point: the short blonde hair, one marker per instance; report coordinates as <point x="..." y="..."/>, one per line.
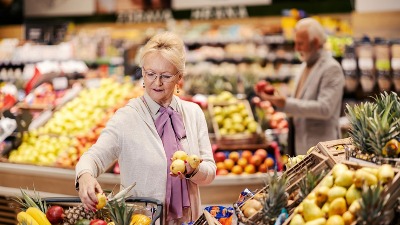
<point x="314" y="29"/>
<point x="170" y="46"/>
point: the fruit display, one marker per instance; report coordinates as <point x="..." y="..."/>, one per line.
<point x="232" y="117"/>
<point x="111" y="210"/>
<point x="244" y="162"/>
<point x="73" y="128"/>
<point x="347" y="194"/>
<point x="375" y="129"/>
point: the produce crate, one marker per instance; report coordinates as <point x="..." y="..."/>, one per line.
<point x="334" y="149"/>
<point x="314" y="162"/>
<point x="144" y="205"/>
<point x="237" y="138"/>
<point x="393" y="190"/>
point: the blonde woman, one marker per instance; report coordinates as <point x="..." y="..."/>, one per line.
<point x="144" y="134"/>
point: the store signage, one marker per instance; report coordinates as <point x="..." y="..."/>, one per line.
<point x="191" y="4"/>
<point x="54" y="8"/>
<point x="219" y="13"/>
<point x="138" y="16"/>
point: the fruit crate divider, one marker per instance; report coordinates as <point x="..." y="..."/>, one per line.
<point x="390" y="189"/>
<point x="333" y="155"/>
<point x="314" y="162"/>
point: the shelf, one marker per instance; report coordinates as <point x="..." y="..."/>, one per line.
<point x="223" y="190"/>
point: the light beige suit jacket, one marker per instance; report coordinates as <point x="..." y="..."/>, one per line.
<point x="131" y="137"/>
<point x="317" y="110"/>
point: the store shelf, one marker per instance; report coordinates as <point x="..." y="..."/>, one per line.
<point x="223" y="190"/>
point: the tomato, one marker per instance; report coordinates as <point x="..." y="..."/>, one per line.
<point x="97" y="222"/>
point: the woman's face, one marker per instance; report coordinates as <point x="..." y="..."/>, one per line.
<point x="160" y="78"/>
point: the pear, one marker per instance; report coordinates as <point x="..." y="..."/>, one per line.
<point x="354" y="207"/>
<point x="373" y="171"/>
<point x="348" y="218"/>
<point x="337" y="207"/>
<point x="335" y="220"/>
<point x="311" y="196"/>
<point x="338" y="169"/>
<point x="327" y="181"/>
<point x="352" y="194"/>
<point x="299" y="209"/>
<point x="325" y="208"/>
<point x="194" y="161"/>
<point x="321" y="195"/>
<point x="361" y="176"/>
<point x="336" y="192"/>
<point x="319" y="221"/>
<point x="311" y="211"/>
<point x="385" y="173"/>
<point x="344" y="179"/>
<point x="297" y="220"/>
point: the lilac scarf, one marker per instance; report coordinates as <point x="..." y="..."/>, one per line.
<point x="170" y="128"/>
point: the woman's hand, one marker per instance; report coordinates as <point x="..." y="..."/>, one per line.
<point x="88" y="188"/>
<point x="188" y="171"/>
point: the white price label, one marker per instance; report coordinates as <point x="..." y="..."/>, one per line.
<point x="396" y="63"/>
<point x="366" y="63"/>
<point x="349" y="64"/>
<point x="60" y="83"/>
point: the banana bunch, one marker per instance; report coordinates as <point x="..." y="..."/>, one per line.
<point x="294" y="160"/>
<point x="32" y="216"/>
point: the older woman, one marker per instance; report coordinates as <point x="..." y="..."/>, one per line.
<point x="144" y="134"/>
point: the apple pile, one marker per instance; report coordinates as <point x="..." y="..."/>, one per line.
<point x="336" y="200"/>
<point x="234" y="119"/>
<point x="178" y="162"/>
<point x="244" y="162"/>
<point x="275" y="119"/>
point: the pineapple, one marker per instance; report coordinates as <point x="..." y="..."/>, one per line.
<point x="28" y="201"/>
<point x="76" y="213"/>
<point x="309" y="182"/>
<point x="374" y="125"/>
<point x="371" y="206"/>
<point x="120" y="212"/>
<point x="275" y="200"/>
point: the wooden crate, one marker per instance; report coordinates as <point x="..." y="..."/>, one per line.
<point x="313" y="162"/>
<point x="238" y="138"/>
<point x="334" y="149"/>
<point x="391" y="189"/>
<point x="8" y="211"/>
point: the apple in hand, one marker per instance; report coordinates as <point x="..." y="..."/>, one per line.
<point x="261" y="85"/>
<point x="179" y="155"/>
<point x="194" y="161"/>
<point x="177" y="166"/>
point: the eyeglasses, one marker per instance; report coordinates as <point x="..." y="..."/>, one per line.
<point x="166" y="77"/>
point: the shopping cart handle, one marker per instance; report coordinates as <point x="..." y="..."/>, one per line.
<point x="62" y="199"/>
<point x="159" y="211"/>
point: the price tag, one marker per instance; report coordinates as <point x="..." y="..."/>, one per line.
<point x="349" y="64"/>
<point x="366" y="63"/>
<point x="60" y="83"/>
<point x="396" y="63"/>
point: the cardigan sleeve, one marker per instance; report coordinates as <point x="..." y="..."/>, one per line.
<point x="207" y="169"/>
<point x="104" y="152"/>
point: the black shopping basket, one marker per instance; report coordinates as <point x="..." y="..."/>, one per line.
<point x="154" y="207"/>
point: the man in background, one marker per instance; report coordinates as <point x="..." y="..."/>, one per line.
<point x="315" y="105"/>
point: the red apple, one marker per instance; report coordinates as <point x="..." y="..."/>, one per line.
<point x="247" y="154"/>
<point x="263" y="168"/>
<point x="256" y="160"/>
<point x="219" y="157"/>
<point x="222" y="172"/>
<point x="234" y="156"/>
<point x="262" y="153"/>
<point x="269" y="90"/>
<point x="261" y="85"/>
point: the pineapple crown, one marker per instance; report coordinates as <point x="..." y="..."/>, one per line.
<point x="276" y="199"/>
<point x="309" y="182"/>
<point x="27" y="201"/>
<point x="373" y="124"/>
<point x="371" y="205"/>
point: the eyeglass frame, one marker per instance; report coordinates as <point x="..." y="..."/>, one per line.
<point x="157" y="75"/>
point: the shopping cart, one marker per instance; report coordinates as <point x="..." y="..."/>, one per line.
<point x="148" y="206"/>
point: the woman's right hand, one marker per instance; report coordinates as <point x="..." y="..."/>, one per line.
<point x="88" y="188"/>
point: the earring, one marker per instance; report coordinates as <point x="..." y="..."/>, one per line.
<point x="143" y="85"/>
<point x="177" y="90"/>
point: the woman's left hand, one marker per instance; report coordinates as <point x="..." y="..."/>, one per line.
<point x="188" y="171"/>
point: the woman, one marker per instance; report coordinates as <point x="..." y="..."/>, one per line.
<point x="145" y="133"/>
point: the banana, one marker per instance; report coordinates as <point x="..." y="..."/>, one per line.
<point x="38" y="215"/>
<point x="23" y="216"/>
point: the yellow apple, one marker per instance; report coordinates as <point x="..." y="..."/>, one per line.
<point x="177" y="166"/>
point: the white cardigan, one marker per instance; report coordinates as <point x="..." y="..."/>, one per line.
<point x="131" y="137"/>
